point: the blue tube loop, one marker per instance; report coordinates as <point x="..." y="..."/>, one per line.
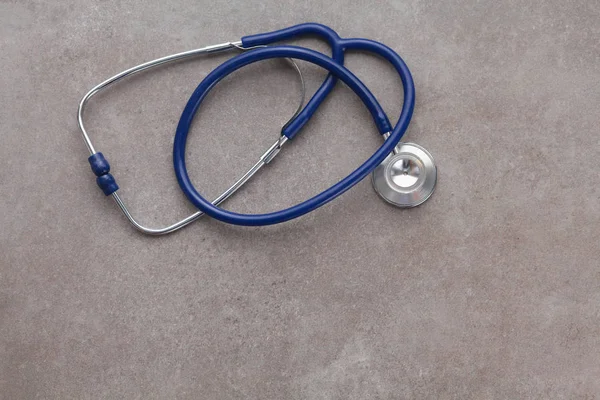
<point x="336" y="70"/>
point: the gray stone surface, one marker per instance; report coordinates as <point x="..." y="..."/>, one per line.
<point x="491" y="290"/>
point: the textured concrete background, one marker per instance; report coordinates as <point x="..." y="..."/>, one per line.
<point x="491" y="290"/>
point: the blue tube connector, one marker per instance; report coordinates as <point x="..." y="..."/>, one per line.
<point x="101" y="169"/>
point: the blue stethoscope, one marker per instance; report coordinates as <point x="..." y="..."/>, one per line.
<point x="404" y="174"/>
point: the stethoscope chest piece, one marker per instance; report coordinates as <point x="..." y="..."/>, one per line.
<point x="407" y="177"/>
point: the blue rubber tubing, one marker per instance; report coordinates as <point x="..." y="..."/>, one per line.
<point x="335" y="69"/>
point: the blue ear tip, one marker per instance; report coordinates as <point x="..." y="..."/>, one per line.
<point x="107" y="183"/>
<point x="99" y="164"/>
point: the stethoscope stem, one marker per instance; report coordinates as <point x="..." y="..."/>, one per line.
<point x="385" y="137"/>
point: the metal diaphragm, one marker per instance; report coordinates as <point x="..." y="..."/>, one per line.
<point x="407" y="177"/>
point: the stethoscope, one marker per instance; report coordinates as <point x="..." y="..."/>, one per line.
<point x="403" y="174"/>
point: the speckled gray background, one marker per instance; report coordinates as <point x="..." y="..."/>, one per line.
<point x="491" y="290"/>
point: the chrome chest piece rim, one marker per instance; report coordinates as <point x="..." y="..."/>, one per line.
<point x="407" y="177"/>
